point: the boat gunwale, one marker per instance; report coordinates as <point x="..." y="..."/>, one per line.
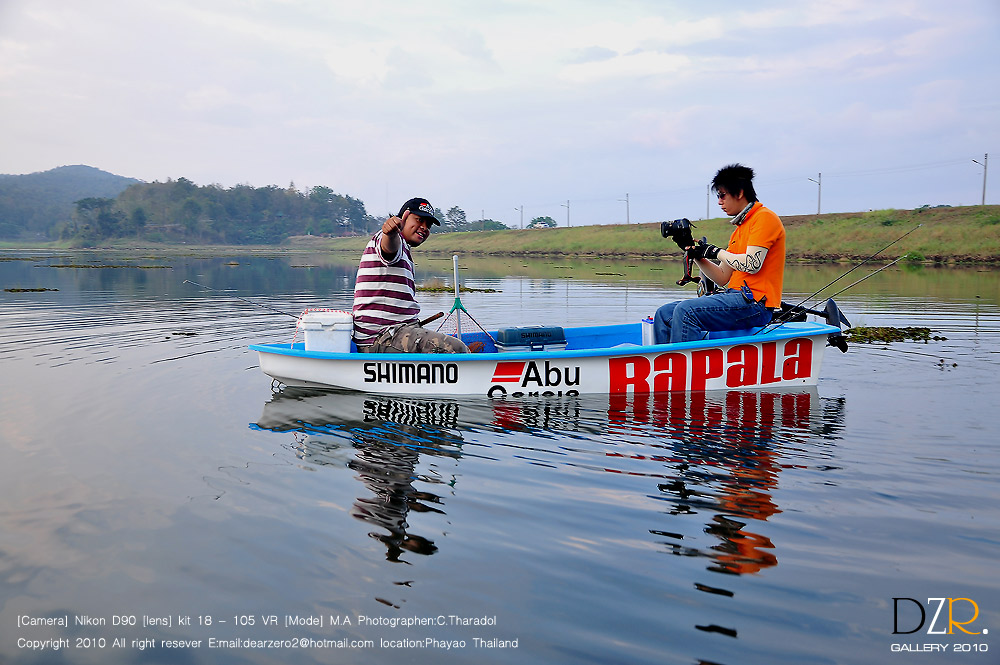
<point x="783" y="331"/>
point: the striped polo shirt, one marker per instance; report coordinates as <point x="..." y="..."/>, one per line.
<point x="384" y="292"/>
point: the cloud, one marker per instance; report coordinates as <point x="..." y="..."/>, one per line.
<point x="492" y="104"/>
<point x="591" y="54"/>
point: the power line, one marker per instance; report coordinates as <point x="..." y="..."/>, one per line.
<point x="846" y="174"/>
<point x="898" y="169"/>
<point x="887" y="170"/>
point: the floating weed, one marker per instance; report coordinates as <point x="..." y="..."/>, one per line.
<point x="97" y="265"/>
<point x="437" y="285"/>
<point x="27" y="290"/>
<point x="876" y="334"/>
<point x="434" y="288"/>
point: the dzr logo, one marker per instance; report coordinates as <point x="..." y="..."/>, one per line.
<point x="952" y="622"/>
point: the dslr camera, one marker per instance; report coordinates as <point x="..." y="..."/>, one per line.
<point x="679" y="230"/>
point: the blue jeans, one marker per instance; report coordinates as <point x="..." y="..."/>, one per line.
<point x="689" y="320"/>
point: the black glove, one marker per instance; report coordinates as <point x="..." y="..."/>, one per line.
<point x="680" y="231"/>
<point x="703" y="250"/>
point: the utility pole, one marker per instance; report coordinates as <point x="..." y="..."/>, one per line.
<point x="708" y="192"/>
<point x="522" y="215"/>
<point x="819" y="195"/>
<point x="627" y="216"/>
<point x="567" y="213"/>
<point x="984" y="163"/>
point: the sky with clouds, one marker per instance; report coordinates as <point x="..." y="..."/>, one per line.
<point x="587" y="111"/>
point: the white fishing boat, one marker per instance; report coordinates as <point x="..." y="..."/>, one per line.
<point x="552" y="361"/>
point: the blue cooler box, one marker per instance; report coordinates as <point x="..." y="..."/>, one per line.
<point x="531" y="338"/>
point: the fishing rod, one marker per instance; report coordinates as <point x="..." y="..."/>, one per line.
<point x="825" y="287"/>
<point x="831" y="313"/>
<point x="249" y="302"/>
<point x="788" y="311"/>
<point x="871" y="274"/>
<point x="433" y="317"/>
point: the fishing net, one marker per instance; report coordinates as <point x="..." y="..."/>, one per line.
<point x="459" y="323"/>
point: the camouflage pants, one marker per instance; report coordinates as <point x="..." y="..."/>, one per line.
<point x="412" y="338"/>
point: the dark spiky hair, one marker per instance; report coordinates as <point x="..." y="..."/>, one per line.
<point x="734" y="179"/>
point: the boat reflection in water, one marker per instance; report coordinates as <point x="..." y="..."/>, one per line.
<point x="718" y="453"/>
<point x="711" y="459"/>
<point x="726" y="451"/>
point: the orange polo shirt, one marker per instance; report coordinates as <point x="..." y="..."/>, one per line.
<point x="761" y="228"/>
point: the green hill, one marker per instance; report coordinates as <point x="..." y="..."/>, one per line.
<point x="33" y="206"/>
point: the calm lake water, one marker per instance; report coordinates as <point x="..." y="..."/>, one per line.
<point x="157" y="493"/>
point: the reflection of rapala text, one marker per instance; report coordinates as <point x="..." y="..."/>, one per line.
<point x="533" y="378"/>
<point x="443" y="414"/>
<point x="379" y="372"/>
<point x="742" y="365"/>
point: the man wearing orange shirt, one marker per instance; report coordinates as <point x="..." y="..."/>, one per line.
<point x="752" y="266"/>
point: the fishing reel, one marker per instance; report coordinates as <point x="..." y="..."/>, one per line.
<point x="831" y="313"/>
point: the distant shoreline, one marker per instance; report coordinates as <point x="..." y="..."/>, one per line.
<point x="967" y="235"/>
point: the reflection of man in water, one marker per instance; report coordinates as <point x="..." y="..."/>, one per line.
<point x="386" y="459"/>
<point x="728" y="465"/>
<point x="388" y="437"/>
<point x="387" y="469"/>
<point x="753" y="469"/>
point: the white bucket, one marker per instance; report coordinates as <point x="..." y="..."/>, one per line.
<point x="647" y="332"/>
<point x="328" y="331"/>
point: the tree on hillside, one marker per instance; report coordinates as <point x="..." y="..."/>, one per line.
<point x="97" y="218"/>
<point x="487" y="225"/>
<point x="454" y="220"/>
<point x="100" y="214"/>
<point x="190" y="215"/>
<point x="136" y="222"/>
<point x="182" y="188"/>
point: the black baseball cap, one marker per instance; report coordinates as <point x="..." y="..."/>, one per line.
<point x="420" y="207"/>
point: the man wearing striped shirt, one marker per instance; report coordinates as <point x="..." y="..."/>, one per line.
<point x="386" y="313"/>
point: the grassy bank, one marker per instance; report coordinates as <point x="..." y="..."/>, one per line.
<point x="969" y="234"/>
<point x="966" y="235"/>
